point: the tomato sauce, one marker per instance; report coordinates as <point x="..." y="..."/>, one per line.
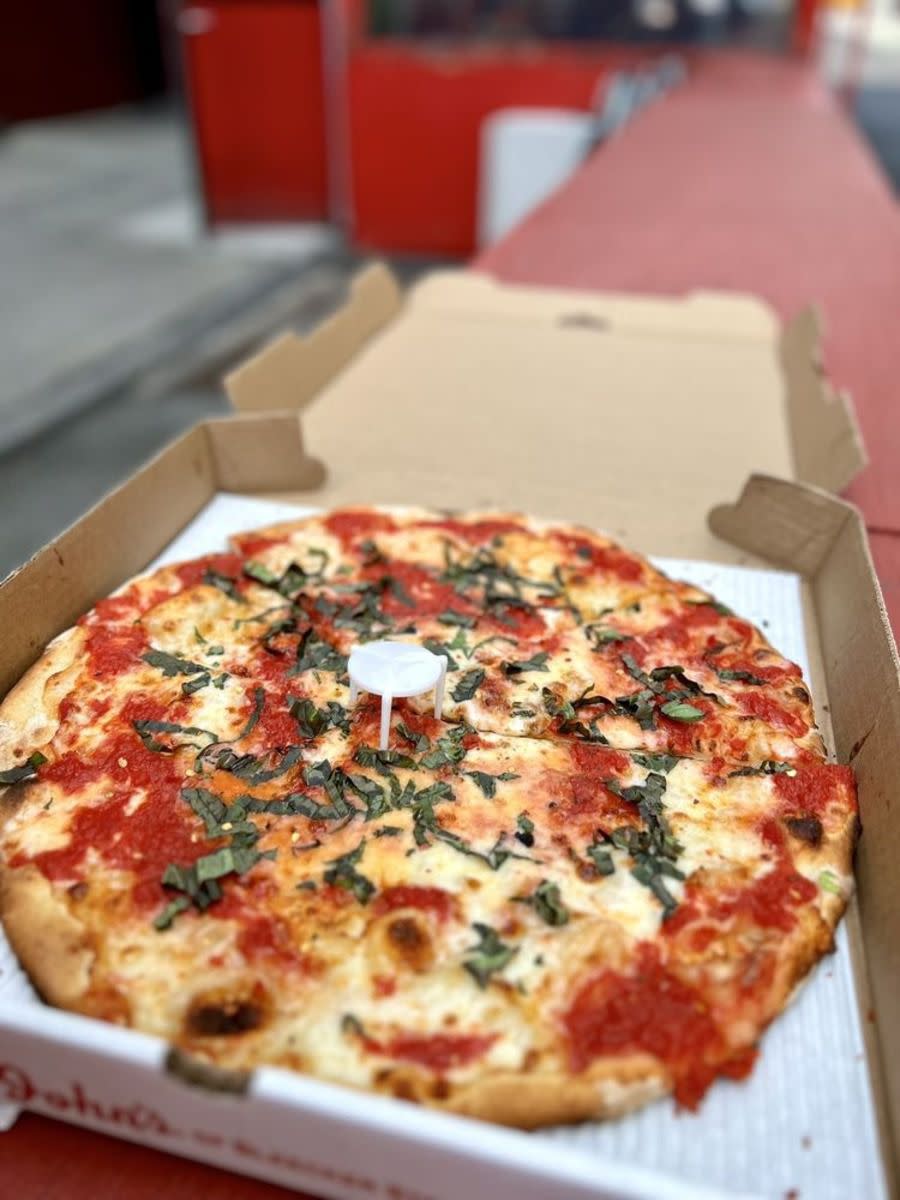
<point x="384" y="985"/>
<point x="276" y="728"/>
<point x="812" y="789"/>
<point x="251" y="546"/>
<point x="428" y="899"/>
<point x="480" y="532"/>
<point x="114" y="649"/>
<point x="611" y="559"/>
<point x="354" y="524"/>
<point x="429" y="595"/>
<point x="653" y="1012"/>
<point x="761" y="705"/>
<point x="437" y="1051"/>
<point x="191" y="573"/>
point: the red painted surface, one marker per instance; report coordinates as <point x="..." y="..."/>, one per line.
<point x="50" y="1160"/>
<point x="254" y="71"/>
<point x="414" y="121"/>
<point x="749" y="178"/>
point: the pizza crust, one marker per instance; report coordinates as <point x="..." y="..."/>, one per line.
<point x="50" y="943"/>
<point x="29" y="715"/>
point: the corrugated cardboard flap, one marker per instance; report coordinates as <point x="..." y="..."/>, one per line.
<point x="827" y="442"/>
<point x="808" y="530"/>
<point x="291" y="370"/>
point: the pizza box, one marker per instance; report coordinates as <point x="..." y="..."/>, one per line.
<point x="694" y="427"/>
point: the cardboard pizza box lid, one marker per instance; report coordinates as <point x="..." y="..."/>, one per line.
<point x="636" y="413"/>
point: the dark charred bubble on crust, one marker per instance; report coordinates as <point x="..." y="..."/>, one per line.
<point x="225" y="1018"/>
<point x="807" y="829"/>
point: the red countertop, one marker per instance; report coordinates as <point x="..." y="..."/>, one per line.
<point x="750" y="178"/>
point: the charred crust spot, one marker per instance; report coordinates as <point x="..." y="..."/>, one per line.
<point x="219" y="1014"/>
<point x="801" y="694"/>
<point x="78" y="891"/>
<point x="403" y="1089"/>
<point x="440" y="1089"/>
<point x="807" y="829"/>
<point x="409" y="942"/>
<point x="222" y="1020"/>
<point x="405" y="934"/>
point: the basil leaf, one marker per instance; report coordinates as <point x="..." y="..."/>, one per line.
<point x="468" y="685"/>
<point x="224" y="583"/>
<point x="383" y="760"/>
<point x="547" y="903"/>
<point x="488" y="956"/>
<point x="602" y="635"/>
<point x="450" y="617"/>
<point x="537" y="662"/>
<point x="28" y="770"/>
<point x="657" y="762"/>
<point x="207" y="805"/>
<point x="314" y="654"/>
<point x="767" y="767"/>
<point x="398" y="590"/>
<point x="488" y="783"/>
<point x="376" y="802"/>
<point x="312" y="722"/>
<point x="343" y="873"/>
<point x="419" y="741"/>
<point x="171" y="664"/>
<point x="146" y="729"/>
<point x="261" y="573"/>
<point x="678" y="710"/>
<point x="722" y="609"/>
<point x="828" y="883"/>
<point x="437" y="647"/>
<point x="739" y="676"/>
<point x="525" y="829"/>
<point x="164" y="920"/>
<point x="448" y="751"/>
<point x="194" y="685"/>
<point x="259" y="700"/>
<point x="602" y="859"/>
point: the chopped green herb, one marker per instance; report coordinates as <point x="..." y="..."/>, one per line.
<point x="388" y="831"/>
<point x="448" y="750"/>
<point x="28" y="770"/>
<point x="547" y="903"/>
<point x="468" y="685"/>
<point x="525" y="829"/>
<point x="488" y="955"/>
<point x="722" y="609"/>
<point x="537" y="662"/>
<point x="259" y="700"/>
<point x="488" y="783"/>
<point x="767" y="767"/>
<point x="194" y="685"/>
<point x="343" y="873"/>
<point x="450" y="617"/>
<point x="678" y="710"/>
<point x="828" y="883"/>
<point x="224" y="583"/>
<point x="146" y="729"/>
<point x="739" y="676"/>
<point x="601" y="635"/>
<point x="601" y="858"/>
<point x="419" y="741"/>
<point x="657" y="762"/>
<point x="171" y="664"/>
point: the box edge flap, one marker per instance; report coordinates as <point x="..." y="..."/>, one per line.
<point x="292" y="369"/>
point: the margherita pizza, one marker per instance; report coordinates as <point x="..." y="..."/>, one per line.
<point x="595" y="881"/>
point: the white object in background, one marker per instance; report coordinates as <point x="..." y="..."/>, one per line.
<point x="392" y="669"/>
<point x="526" y="153"/>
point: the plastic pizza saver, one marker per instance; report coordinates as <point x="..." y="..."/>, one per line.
<point x="396" y="669"/>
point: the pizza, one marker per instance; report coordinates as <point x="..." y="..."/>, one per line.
<point x="593" y="882"/>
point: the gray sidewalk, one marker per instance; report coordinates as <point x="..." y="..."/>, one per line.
<point x="84" y="308"/>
